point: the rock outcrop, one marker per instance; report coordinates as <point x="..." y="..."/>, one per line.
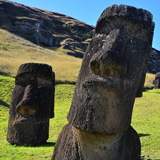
<point x="32" y="105"/>
<point x="111" y="76"/>
<point x="45" y="28"/>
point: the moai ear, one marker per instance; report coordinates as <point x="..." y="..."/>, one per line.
<point x="143" y="75"/>
<point x="52" y="101"/>
<point x="140" y="89"/>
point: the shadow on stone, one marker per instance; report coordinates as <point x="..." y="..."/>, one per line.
<point x="4" y="104"/>
<point x="143" y="135"/>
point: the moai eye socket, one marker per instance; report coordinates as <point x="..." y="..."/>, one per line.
<point x="24" y="79"/>
<point x="42" y="81"/>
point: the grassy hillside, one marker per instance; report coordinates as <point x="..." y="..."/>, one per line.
<point x="145" y="120"/>
<point x="45" y="28"/>
<point x="62" y="103"/>
<point x="15" y="51"/>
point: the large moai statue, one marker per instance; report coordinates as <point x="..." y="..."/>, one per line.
<point x="32" y="105"/>
<point x="111" y="76"/>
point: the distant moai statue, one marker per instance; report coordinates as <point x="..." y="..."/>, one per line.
<point x="156" y="82"/>
<point x="111" y="76"/>
<point x="32" y="105"/>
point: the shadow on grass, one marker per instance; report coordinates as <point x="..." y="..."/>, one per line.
<point x="149" y="159"/>
<point x="4" y="104"/>
<point x="145" y="89"/>
<point x="143" y="135"/>
<point x="47" y="144"/>
<point x="4" y="74"/>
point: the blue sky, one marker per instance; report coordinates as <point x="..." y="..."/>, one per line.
<point x="89" y="11"/>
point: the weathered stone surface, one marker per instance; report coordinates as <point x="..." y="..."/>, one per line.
<point x="74" y="144"/>
<point x="66" y="146"/>
<point x="32" y="105"/>
<point x="113" y="71"/>
<point x="154" y="62"/>
<point x="111" y="76"/>
<point x="157" y="81"/>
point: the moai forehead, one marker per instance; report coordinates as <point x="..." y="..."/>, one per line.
<point x="39" y="70"/>
<point x="119" y="15"/>
<point x="112" y="71"/>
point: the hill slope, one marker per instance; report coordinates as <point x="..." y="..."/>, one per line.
<point x="45" y="28"/>
<point x="60" y="34"/>
<point x="15" y="51"/>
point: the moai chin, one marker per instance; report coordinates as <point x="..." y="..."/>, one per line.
<point x="111" y="76"/>
<point x="32" y="105"/>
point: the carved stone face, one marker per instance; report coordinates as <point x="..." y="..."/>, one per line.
<point x="32" y="104"/>
<point x="112" y="72"/>
<point x="37" y="95"/>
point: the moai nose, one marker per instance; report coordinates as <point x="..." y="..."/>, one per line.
<point x="109" y="61"/>
<point x="27" y="107"/>
<point x="106" y="64"/>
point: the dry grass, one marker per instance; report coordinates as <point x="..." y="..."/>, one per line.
<point x="19" y="51"/>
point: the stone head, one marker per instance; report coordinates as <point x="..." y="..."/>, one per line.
<point x="113" y="71"/>
<point x="32" y="103"/>
<point x="157" y="81"/>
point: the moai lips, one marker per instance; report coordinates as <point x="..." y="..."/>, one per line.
<point x="32" y="105"/>
<point x="111" y="76"/>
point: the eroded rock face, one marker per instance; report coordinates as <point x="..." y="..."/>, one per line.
<point x="111" y="76"/>
<point x="45" y="28"/>
<point x="32" y="105"/>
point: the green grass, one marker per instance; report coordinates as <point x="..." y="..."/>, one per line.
<point x="146" y="120"/>
<point x="62" y="104"/>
